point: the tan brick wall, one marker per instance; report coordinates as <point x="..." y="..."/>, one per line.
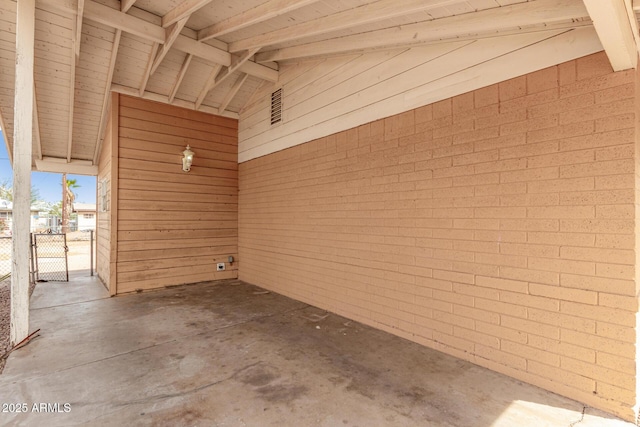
<point x="497" y="226"/>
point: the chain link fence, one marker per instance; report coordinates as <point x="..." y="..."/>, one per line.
<point x="5" y="295"/>
<point x="5" y="258"/>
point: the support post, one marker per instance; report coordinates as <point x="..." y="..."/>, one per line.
<point x="22" y="140"/>
<point x="91" y="251"/>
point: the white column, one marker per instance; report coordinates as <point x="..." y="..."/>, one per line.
<point x="22" y="139"/>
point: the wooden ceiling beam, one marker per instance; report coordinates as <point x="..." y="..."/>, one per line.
<point x="237" y="63"/>
<point x="106" y="97"/>
<point x="208" y="85"/>
<point x="183" y="10"/>
<point x="78" y="32"/>
<point x="172" y="34"/>
<point x="222" y="74"/>
<point x="265" y="11"/>
<point x="125" y="5"/>
<point x="613" y="24"/>
<point x="59" y="165"/>
<point x="147" y="70"/>
<point x="72" y="92"/>
<point x="126" y="90"/>
<point x="482" y="24"/>
<point x="36" y="125"/>
<point x="366" y="14"/>
<point x="233" y="92"/>
<point x="183" y="71"/>
<point x="120" y="20"/>
<point x="155" y="33"/>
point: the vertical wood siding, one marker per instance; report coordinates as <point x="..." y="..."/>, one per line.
<point x="174" y="226"/>
<point x="103" y="223"/>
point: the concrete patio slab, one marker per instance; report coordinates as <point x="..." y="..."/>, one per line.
<point x="231" y="354"/>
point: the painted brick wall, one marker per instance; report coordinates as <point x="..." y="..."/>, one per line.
<point x="497" y="226"/>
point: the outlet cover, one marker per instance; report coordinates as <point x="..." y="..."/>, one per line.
<point x="220" y="266"/>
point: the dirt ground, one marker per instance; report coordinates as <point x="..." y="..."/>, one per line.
<point x="78" y="258"/>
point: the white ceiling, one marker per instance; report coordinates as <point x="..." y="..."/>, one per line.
<point x="212" y="55"/>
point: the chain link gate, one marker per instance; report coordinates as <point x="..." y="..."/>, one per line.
<point x="51" y="262"/>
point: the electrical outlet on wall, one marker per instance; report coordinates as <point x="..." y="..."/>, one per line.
<point x="220" y="266"/>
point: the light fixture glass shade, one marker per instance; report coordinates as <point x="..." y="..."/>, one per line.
<point x="187" y="159"/>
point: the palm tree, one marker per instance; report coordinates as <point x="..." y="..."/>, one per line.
<point x="6" y="192"/>
<point x="67" y="200"/>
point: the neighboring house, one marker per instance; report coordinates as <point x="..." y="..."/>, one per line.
<point x="6" y="216"/>
<point x="86" y="216"/>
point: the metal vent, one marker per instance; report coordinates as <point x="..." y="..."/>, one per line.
<point x="276" y="106"/>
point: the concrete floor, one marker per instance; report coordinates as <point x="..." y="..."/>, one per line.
<point x="230" y="354"/>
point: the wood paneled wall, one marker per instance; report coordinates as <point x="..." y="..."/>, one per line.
<point x="106" y="165"/>
<point x="173" y="226"/>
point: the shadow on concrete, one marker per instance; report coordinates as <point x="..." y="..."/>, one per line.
<point x="230" y="353"/>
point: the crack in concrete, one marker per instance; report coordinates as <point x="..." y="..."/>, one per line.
<point x="573" y="424"/>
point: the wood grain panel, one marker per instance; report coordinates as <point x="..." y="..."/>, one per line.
<point x="173" y="226"/>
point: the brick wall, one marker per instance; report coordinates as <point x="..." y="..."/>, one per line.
<point x="497" y="226"/>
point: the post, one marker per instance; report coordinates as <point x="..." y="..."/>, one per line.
<point x="91" y="251"/>
<point x="22" y="139"/>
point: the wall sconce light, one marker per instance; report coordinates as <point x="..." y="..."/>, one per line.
<point x="187" y="159"/>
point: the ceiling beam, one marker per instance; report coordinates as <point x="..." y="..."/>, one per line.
<point x="59" y="165"/>
<point x="222" y="74"/>
<point x="482" y="24"/>
<point x="147" y="70"/>
<point x="106" y="97"/>
<point x="208" y="85"/>
<point x="125" y="90"/>
<point x="612" y="23"/>
<point x="72" y="92"/>
<point x="234" y="90"/>
<point x="78" y="33"/>
<point x="120" y="20"/>
<point x="237" y="63"/>
<point x="366" y="14"/>
<point x="172" y="34"/>
<point x="260" y="71"/>
<point x="125" y="5"/>
<point x="183" y="71"/>
<point x="36" y="125"/>
<point x="202" y="50"/>
<point x="267" y="10"/>
<point x="183" y="10"/>
<point x="155" y="33"/>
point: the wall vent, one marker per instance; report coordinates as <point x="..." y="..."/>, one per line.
<point x="276" y="106"/>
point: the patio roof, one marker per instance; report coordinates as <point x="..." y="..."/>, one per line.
<point x="213" y="56"/>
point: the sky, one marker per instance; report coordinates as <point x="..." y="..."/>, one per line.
<point x="49" y="185"/>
